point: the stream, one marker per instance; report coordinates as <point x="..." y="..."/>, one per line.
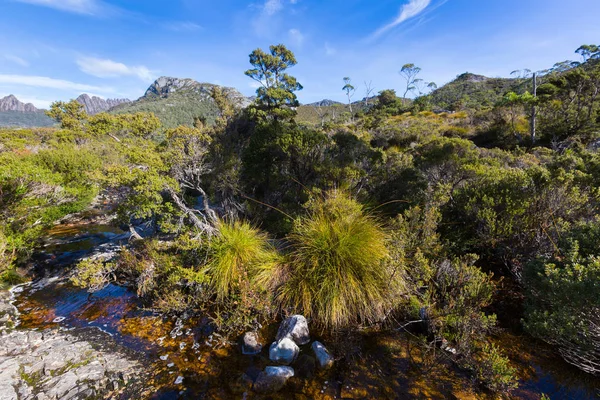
<point x="184" y="358"/>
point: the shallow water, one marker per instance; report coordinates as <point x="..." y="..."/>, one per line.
<point x="189" y="360"/>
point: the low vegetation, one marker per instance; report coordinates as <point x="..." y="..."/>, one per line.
<point x="404" y="216"/>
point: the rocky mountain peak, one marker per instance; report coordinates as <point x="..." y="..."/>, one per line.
<point x="94" y="105"/>
<point x="324" y="103"/>
<point x="11" y="103"/>
<point x="165" y="86"/>
<point x="469" y="77"/>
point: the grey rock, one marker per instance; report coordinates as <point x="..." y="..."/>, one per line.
<point x="95" y="105"/>
<point x="58" y="366"/>
<point x="284" y="351"/>
<point x="11" y="103"/>
<point x="62" y="385"/>
<point x="250" y="344"/>
<point x="296" y="328"/>
<point x="322" y="355"/>
<point x="273" y="379"/>
<point x="93" y="371"/>
<point x="7" y="392"/>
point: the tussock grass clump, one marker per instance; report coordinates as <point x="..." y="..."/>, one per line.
<point x="237" y="256"/>
<point x="337" y="272"/>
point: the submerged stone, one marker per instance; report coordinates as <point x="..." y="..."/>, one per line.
<point x="273" y="379"/>
<point x="241" y="384"/>
<point x="324" y="359"/>
<point x="305" y="366"/>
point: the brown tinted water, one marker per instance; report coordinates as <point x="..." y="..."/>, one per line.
<point x="189" y="360"/>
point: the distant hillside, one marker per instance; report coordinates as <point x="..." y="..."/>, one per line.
<point x="16" y="119"/>
<point x="14" y="113"/>
<point x="179" y="101"/>
<point x="324" y="103"/>
<point x="475" y="91"/>
<point x="323" y="111"/>
<point x="94" y="105"/>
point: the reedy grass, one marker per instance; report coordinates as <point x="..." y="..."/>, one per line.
<point x="238" y="254"/>
<point x="336" y="272"/>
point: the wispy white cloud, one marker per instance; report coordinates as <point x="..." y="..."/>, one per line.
<point x="296" y="36"/>
<point x="86" y="7"/>
<point x="182" y="26"/>
<point x="17" y="60"/>
<point x="272" y="7"/>
<point x="51" y="83"/>
<point x="407" y="11"/>
<point x="103" y="68"/>
<point x="265" y="22"/>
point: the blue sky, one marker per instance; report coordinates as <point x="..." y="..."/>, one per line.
<point x="57" y="49"/>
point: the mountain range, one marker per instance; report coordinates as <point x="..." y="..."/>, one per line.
<point x="15" y="113"/>
<point x="177" y="101"/>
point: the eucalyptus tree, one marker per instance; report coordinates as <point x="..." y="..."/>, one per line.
<point x="275" y="96"/>
<point x="349" y="89"/>
<point x="410" y="72"/>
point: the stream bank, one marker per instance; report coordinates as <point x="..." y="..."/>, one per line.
<point x="68" y="343"/>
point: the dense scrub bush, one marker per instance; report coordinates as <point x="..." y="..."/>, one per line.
<point x="563" y="302"/>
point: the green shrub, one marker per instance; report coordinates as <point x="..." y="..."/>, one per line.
<point x="337" y="272"/>
<point x="493" y="370"/>
<point x="563" y="305"/>
<point x="238" y="255"/>
<point x="93" y="274"/>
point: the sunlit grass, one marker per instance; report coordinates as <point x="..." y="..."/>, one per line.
<point x="336" y="272"/>
<point x="238" y="254"/>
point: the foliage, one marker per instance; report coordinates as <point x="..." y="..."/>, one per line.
<point x="7" y="255"/>
<point x="70" y="115"/>
<point x="570" y="104"/>
<point x="337" y="272"/>
<point x="563" y="305"/>
<point x="93" y="274"/>
<point x="457" y="185"/>
<point x="237" y="257"/>
<point x="493" y="369"/>
<point x="275" y="96"/>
